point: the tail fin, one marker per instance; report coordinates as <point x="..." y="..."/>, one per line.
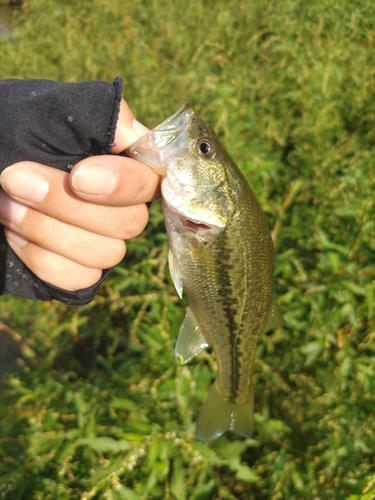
<point x="218" y="416"/>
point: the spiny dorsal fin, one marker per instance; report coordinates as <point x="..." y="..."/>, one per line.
<point x="274" y="318"/>
<point x="190" y="340"/>
<point x="175" y="273"/>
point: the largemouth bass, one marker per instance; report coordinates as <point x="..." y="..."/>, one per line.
<point x="221" y="254"/>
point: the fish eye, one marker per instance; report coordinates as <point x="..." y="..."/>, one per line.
<point x="205" y="147"/>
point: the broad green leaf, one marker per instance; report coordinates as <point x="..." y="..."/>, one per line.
<point x="124" y="404"/>
<point x="244" y="473"/>
<point x="105" y="444"/>
<point x="124" y="493"/>
<point x="178" y="488"/>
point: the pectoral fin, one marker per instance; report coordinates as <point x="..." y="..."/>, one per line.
<point x="175" y="273"/>
<point x="190" y="340"/>
<point x="274" y="318"/>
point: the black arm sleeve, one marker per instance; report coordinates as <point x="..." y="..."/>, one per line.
<point x="56" y="124"/>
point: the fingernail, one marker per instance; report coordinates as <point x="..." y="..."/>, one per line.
<point x="139" y="129"/>
<point x="24" y="183"/>
<point x="10" y="210"/>
<point x="15" y="238"/>
<point x="94" y="179"/>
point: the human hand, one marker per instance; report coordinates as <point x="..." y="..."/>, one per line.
<point x="66" y="228"/>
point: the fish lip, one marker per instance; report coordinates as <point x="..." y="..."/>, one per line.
<point x="168" y="131"/>
<point x="151" y="148"/>
<point x="164" y="133"/>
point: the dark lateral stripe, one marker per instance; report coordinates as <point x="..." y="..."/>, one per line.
<point x="229" y="304"/>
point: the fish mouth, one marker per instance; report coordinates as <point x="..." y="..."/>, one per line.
<point x="164" y="141"/>
<point x="169" y="129"/>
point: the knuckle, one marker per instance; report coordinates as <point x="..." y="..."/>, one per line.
<point x="47" y="231"/>
<point x="115" y="253"/>
<point x="136" y="221"/>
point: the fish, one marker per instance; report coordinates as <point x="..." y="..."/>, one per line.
<point x="221" y="255"/>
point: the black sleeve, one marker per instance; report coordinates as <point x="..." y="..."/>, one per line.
<point x="56" y="124"/>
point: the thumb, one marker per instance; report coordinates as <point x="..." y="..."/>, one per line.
<point x="128" y="129"/>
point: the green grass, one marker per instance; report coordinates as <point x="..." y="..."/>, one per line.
<point x="97" y="408"/>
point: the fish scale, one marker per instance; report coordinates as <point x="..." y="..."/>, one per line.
<point x="221" y="254"/>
